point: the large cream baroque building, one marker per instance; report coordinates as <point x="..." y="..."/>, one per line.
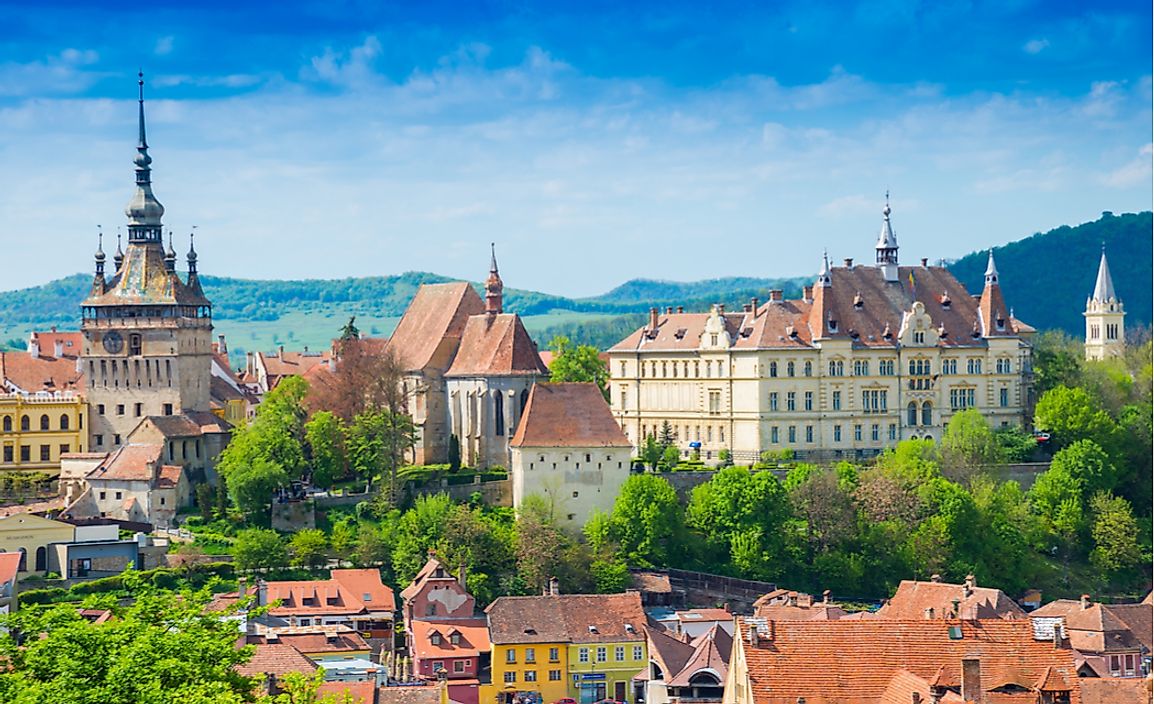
<point x="869" y="355"/>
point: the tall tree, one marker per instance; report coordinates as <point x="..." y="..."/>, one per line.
<point x="259" y="548"/>
<point x="577" y="363"/>
<point x="324" y="433"/>
<point x="1115" y="534"/>
<point x="366" y="377"/>
<point x="1071" y="414"/>
<point x="968" y="445"/>
<point x="648" y="521"/>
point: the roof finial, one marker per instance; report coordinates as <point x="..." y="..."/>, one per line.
<point x="991" y="270"/>
<point x="886" y="210"/>
<point x="493" y="257"/>
<point x="823" y="275"/>
<point x="192" y="251"/>
<point x="144" y="211"/>
<point x="494" y="303"/>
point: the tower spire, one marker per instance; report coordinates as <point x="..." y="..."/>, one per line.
<point x="192" y="251"/>
<point x="118" y="258"/>
<point x="823" y="278"/>
<point x="144" y="210"/>
<point x="887" y="246"/>
<point x="99" y="251"/>
<point x="991" y="270"/>
<point x="1104" y="285"/>
<point x="494" y="287"/>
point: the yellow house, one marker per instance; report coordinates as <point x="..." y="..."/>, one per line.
<point x="585" y="647"/>
<point x="36" y="429"/>
<point x="30" y="536"/>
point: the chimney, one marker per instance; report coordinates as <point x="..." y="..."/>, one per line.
<point x="1085" y="601"/>
<point x="915" y="698"/>
<point x="957" y="612"/>
<point x="462" y="572"/>
<point x="769" y="631"/>
<point x="280" y="351"/>
<point x="929" y="613"/>
<point x="34" y="347"/>
<point x="554" y="586"/>
<point x="220" y="345"/>
<point x="849" y="262"/>
<point x="925" y="262"/>
<point x="654" y="321"/>
<point x="756" y="304"/>
<point x="745" y="308"/>
<point x="972" y="681"/>
<point x="680" y="309"/>
<point x="59" y="348"/>
<point x="807" y="293"/>
<point x="793" y="598"/>
<point x="669" y="310"/>
<point x="248" y="363"/>
<point x="752" y="634"/>
<point x="1057" y="635"/>
<point x="261" y="592"/>
<point x="721" y="308"/>
<point x="935" y="578"/>
<point x="825" y="597"/>
<point x="968" y="586"/>
<point x="775" y="295"/>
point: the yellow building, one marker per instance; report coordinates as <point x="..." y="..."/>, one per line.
<point x="585" y="647"/>
<point x="31" y="535"/>
<point x="35" y="430"/>
<point x="868" y="356"/>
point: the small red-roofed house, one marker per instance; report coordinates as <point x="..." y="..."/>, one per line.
<point x="569" y="449"/>
<point x="9" y="568"/>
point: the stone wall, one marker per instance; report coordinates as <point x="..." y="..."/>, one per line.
<point x="293" y="516"/>
<point x="493" y="493"/>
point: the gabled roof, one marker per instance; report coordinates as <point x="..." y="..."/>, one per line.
<point x="566" y="618"/>
<point x="284" y="364"/>
<point x="131" y="462"/>
<point x="711" y="652"/>
<point x="568" y="415"/>
<point x="435" y="316"/>
<point x="276" y="659"/>
<point x="913" y="598"/>
<point x="428" y="572"/>
<point x="344" y="592"/>
<point x="366" y="584"/>
<point x="496" y="345"/>
<point x="854" y="661"/>
<point x="1115" y="690"/>
<point x="668" y="650"/>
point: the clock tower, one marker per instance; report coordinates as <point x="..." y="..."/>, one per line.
<point x="147" y="334"/>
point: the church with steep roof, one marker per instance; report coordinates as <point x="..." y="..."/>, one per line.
<point x="1105" y="315"/>
<point x="468" y="367"/>
<point x="868" y="356"/>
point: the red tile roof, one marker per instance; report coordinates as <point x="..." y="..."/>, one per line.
<point x="431" y="328"/>
<point x="568" y="415"/>
<point x="1111" y="690"/>
<point x="711" y="652"/>
<point x="366" y="584"/>
<point x="473" y="634"/>
<point x="913" y="598"/>
<point x="344" y="592"/>
<point x="314" y="640"/>
<point x="349" y="692"/>
<point x="854" y="661"/>
<point x="566" y="618"/>
<point x="24" y="373"/>
<point x="132" y="462"/>
<point x="496" y="345"/>
<point x="277" y="659"/>
<point x="284" y="364"/>
<point x="9" y="566"/>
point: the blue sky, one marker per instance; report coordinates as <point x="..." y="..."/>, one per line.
<point x="593" y="141"/>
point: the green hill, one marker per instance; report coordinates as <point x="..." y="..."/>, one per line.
<point x="1046" y="278"/>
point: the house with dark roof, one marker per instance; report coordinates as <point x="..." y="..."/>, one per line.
<point x="570" y="450"/>
<point x="868" y="356"/>
<point x="468" y="369"/>
<point x="686" y="668"/>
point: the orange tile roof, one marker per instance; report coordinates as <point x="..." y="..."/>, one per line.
<point x="169" y="476"/>
<point x="9" y="566"/>
<point x="343" y="593"/>
<point x="27" y="374"/>
<point x="434" y="319"/>
<point x="913" y="598"/>
<point x="566" y="618"/>
<point x="132" y="462"/>
<point x="1116" y="690"/>
<point x="473" y="633"/>
<point x="572" y="414"/>
<point x="425" y="574"/>
<point x="277" y="659"/>
<point x="853" y="661"/>
<point x="711" y="652"/>
<point x="332" y="641"/>
<point x="496" y="345"/>
<point x="284" y="364"/>
<point x="366" y="584"/>
<point x="349" y="692"/>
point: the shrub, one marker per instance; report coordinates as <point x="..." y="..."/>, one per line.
<point x="43" y="596"/>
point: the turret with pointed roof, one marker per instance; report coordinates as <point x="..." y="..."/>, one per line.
<point x="994" y="316"/>
<point x="887" y="246"/>
<point x="1105" y="317"/>
<point x="494" y="287"/>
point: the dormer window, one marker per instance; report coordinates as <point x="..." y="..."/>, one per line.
<point x="455" y="638"/>
<point x="919" y="337"/>
<point x="1000" y="323"/>
<point x="858" y="303"/>
<point x="435" y="639"/>
<point x="832" y="325"/>
<point x="946" y="300"/>
<point x="680" y="333"/>
<point x="713" y="339"/>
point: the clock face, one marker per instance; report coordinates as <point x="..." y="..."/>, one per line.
<point x="113" y="342"/>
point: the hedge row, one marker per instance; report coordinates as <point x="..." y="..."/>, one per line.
<point x="161" y="577"/>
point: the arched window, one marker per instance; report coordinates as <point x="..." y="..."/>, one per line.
<point x="773" y="369"/>
<point x="927" y="413"/>
<point x="789" y="369"/>
<point x="23" y="561"/>
<point x="912" y="414"/>
<point x="44" y="423"/>
<point x="809" y="368"/>
<point x="25" y="423"/>
<point x="7" y="424"/>
<point x="41" y="558"/>
<point x="64" y="421"/>
<point x="499" y="413"/>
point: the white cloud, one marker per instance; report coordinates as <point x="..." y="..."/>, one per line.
<point x="1136" y="172"/>
<point x="1035" y="46"/>
<point x="856" y="204"/>
<point x="64" y="73"/>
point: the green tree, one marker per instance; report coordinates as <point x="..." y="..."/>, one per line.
<point x="309" y="548"/>
<point x="577" y="363"/>
<point x="205" y="501"/>
<point x="160" y="648"/>
<point x="344" y="537"/>
<point x="377" y="440"/>
<point x="740" y="515"/>
<point x="256" y="548"/>
<point x="454" y="453"/>
<point x="252" y="485"/>
<point x="419" y="530"/>
<point x="539" y="543"/>
<point x="670" y="458"/>
<point x="372" y="548"/>
<point x="968" y="445"/>
<point x="1071" y="414"/>
<point x="1088" y="464"/>
<point x="1115" y="535"/>
<point x="1057" y="361"/>
<point x="648" y="521"/>
<point x="666" y="438"/>
<point x="324" y="433"/>
<point x="651" y="452"/>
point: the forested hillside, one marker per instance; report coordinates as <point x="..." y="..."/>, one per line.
<point x="1046" y="279"/>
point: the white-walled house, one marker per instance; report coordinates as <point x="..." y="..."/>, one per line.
<point x="569" y="450"/>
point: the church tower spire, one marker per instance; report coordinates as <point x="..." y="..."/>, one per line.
<point x="887" y="246"/>
<point x="494" y="287"/>
<point x="1105" y="316"/>
<point x="144" y="210"/>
